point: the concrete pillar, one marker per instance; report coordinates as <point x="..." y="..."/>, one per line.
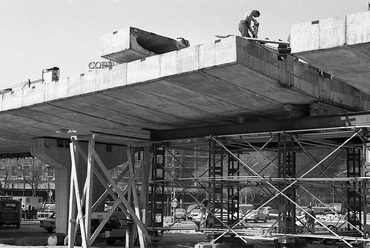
<point x="62" y="176"/>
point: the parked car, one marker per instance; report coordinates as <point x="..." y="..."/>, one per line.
<point x="256" y="215"/>
<point x="333" y="222"/>
<point x="10" y="212"/>
<point x="273" y="214"/>
<point x="49" y="223"/>
<point x="113" y="230"/>
<point x="180" y="213"/>
<point x="43" y="214"/>
<point x="196" y="215"/>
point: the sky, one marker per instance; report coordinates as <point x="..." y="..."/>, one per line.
<point x="40" y="34"/>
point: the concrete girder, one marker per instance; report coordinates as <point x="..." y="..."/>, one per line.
<point x="359" y="119"/>
<point x="55" y="152"/>
<point x="132" y="44"/>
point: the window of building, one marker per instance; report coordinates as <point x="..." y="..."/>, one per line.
<point x="49" y="172"/>
<point x="26" y="170"/>
<point x="14" y="171"/>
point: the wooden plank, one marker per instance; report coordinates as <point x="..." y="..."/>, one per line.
<point x="131" y="158"/>
<point x="80" y="212"/>
<point x="72" y="201"/>
<point x="89" y="187"/>
<point x="280" y="42"/>
<point x="78" y="201"/>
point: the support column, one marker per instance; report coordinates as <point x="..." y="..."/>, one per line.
<point x="144" y="194"/>
<point x="286" y="169"/>
<point x="233" y="167"/>
<point x="366" y="173"/>
<point x="354" y="190"/>
<point x="62" y="177"/>
<point x="215" y="197"/>
<point x="157" y="194"/>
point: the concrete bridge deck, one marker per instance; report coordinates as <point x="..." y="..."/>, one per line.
<point x="340" y="46"/>
<point x="227" y="81"/>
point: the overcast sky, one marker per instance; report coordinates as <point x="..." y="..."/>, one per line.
<point x="39" y="34"/>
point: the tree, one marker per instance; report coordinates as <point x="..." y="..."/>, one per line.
<point x="32" y="172"/>
<point x="5" y="174"/>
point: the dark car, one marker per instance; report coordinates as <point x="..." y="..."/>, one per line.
<point x="256" y="215"/>
<point x="180" y="213"/>
<point x="49" y="223"/>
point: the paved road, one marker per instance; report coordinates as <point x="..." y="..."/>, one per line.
<point x="27" y="229"/>
<point x="30" y="231"/>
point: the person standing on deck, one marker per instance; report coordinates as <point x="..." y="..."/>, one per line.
<point x="245" y="25"/>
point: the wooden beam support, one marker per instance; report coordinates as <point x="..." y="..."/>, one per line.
<point x="131" y="159"/>
<point x="109" y="187"/>
<point x="121" y="195"/>
<point x="78" y="201"/>
<point x="84" y="217"/>
<point x="72" y="202"/>
<point x="89" y="187"/>
<point x="106" y="193"/>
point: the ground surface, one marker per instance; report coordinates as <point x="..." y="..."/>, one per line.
<point x="178" y="239"/>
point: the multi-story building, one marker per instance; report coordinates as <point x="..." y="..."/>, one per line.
<point x="26" y="176"/>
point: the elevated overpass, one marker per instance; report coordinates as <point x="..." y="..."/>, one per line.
<point x="159" y="93"/>
<point x="228" y="81"/>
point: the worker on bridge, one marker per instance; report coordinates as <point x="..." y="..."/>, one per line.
<point x="245" y="24"/>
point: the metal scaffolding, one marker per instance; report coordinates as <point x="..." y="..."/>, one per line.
<point x="284" y="186"/>
<point x="280" y="169"/>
